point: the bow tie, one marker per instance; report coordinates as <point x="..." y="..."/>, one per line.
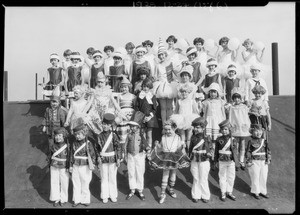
<point x="148" y="96"/>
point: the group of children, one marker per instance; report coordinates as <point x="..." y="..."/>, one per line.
<point x="208" y="118"/>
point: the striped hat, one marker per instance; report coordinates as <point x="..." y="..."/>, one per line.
<point x="161" y="47"/>
<point x="191" y="50"/>
<point x="140" y="49"/>
<point x="211" y="61"/>
<point x="97" y="53"/>
<point x="54" y="56"/>
<point x="75" y="55"/>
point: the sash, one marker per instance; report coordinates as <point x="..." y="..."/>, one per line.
<point x="255" y="152"/>
<point x="58" y="152"/>
<point x="80" y="157"/>
<point x="198" y="145"/>
<point x="108" y="141"/>
<point x="223" y="151"/>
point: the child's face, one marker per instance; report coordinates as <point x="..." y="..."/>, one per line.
<point x="247" y="45"/>
<point x="68" y="57"/>
<point x="90" y="55"/>
<point x="129" y="51"/>
<point x="171" y="43"/>
<point x="185" y="77"/>
<point x="257" y="95"/>
<point x="145" y="88"/>
<point x="231" y="73"/>
<point x="254" y="73"/>
<point x="225" y="130"/>
<point x="54" y="104"/>
<point x="143" y="76"/>
<point x="162" y="57"/>
<point x="59" y="138"/>
<point x="199" y="46"/>
<point x="75" y="60"/>
<point x="134" y="128"/>
<point x="198" y="129"/>
<point x="148" y="47"/>
<point x="77" y="95"/>
<point x="106" y="127"/>
<point x="54" y="62"/>
<point x="237" y="100"/>
<point x="108" y="53"/>
<point x="191" y="57"/>
<point x="184" y="94"/>
<point x="169" y="131"/>
<point x="139" y="55"/>
<point x="211" y="67"/>
<point x="117" y="60"/>
<point x="224" y="44"/>
<point x="100" y="83"/>
<point x="213" y="94"/>
<point x="97" y="58"/>
<point x="257" y="133"/>
<point x="79" y="135"/>
<point x="124" y="88"/>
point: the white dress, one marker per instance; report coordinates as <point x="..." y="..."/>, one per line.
<point x="239" y="119"/>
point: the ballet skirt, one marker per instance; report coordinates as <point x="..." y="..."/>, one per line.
<point x="239" y="119"/>
<point x="186" y="114"/>
<point x="169" y="156"/>
<point x="165" y="87"/>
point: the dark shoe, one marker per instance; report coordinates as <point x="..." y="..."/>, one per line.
<point x="243" y="168"/>
<point x="236" y="169"/>
<point x="129" y="196"/>
<point x="255" y="196"/>
<point x="195" y="200"/>
<point x="55" y="204"/>
<point x="172" y="194"/>
<point x="62" y="203"/>
<point x="232" y="197"/>
<point x="85" y="204"/>
<point x="205" y="200"/>
<point x="75" y="205"/>
<point x="264" y="195"/>
<point x="223" y="197"/>
<point x="141" y="196"/>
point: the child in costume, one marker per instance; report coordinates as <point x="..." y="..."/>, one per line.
<point x="108" y="61"/>
<point x="82" y="162"/>
<point x="230" y="81"/>
<point x="59" y="167"/>
<point x="97" y="67"/>
<point x="239" y="119"/>
<point x="200" y="152"/>
<point x="130" y="56"/>
<point x="89" y="61"/>
<point x="178" y="56"/>
<point x="54" y="117"/>
<point x="186" y="110"/>
<point x="110" y="153"/>
<point x="185" y="79"/>
<point x="167" y="155"/>
<point x="66" y="62"/>
<point x="135" y="151"/>
<point x="165" y="88"/>
<point x="149" y="55"/>
<point x="252" y="82"/>
<point x="226" y="156"/>
<point x="201" y="52"/>
<point x="259" y="110"/>
<point x="146" y="103"/>
<point x="140" y="61"/>
<point x="171" y="40"/>
<point x="117" y="71"/>
<point x="258" y="157"/>
<point x="142" y="73"/>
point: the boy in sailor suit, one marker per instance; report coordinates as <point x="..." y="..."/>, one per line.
<point x="227" y="156"/>
<point x="81" y="165"/>
<point x="110" y="152"/>
<point x="200" y="152"/>
<point x="258" y="157"/>
<point x="59" y="167"/>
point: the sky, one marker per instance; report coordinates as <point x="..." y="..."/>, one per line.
<point x="33" y="33"/>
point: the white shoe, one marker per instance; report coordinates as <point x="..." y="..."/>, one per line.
<point x="105" y="201"/>
<point x="162" y="198"/>
<point x="113" y="199"/>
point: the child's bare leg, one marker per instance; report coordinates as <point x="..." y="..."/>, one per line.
<point x="163" y="109"/>
<point x="189" y="134"/>
<point x="149" y="137"/>
<point x="169" y="108"/>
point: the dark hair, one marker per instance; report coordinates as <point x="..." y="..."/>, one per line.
<point x="172" y="37"/>
<point x="223" y="39"/>
<point x="213" y="90"/>
<point x="236" y="95"/>
<point x="67" y="52"/>
<point x="185" y="72"/>
<point x="198" y="40"/>
<point x="90" y="50"/>
<point x="147" y="42"/>
<point x="106" y="48"/>
<point x="129" y="45"/>
<point x="143" y="70"/>
<point x="170" y="123"/>
<point x="147" y="83"/>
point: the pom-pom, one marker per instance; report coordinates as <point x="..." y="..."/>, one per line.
<point x="209" y="44"/>
<point x="258" y="45"/>
<point x="233" y="43"/>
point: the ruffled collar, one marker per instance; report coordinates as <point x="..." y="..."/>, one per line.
<point x="148" y="96"/>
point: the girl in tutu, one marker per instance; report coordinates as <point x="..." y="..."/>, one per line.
<point x="142" y="73"/>
<point x="140" y="61"/>
<point x="213" y="111"/>
<point x="171" y="40"/>
<point x="108" y="61"/>
<point x="130" y="56"/>
<point x="226" y="56"/>
<point x="167" y="155"/>
<point x="89" y="61"/>
<point x="186" y="110"/>
<point x="149" y="55"/>
<point x="96" y="68"/>
<point x="67" y="61"/>
<point x="165" y="87"/>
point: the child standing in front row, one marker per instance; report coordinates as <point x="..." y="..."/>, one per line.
<point x="200" y="152"/>
<point x="226" y="155"/>
<point x="59" y="168"/>
<point x="258" y="156"/>
<point x="82" y="161"/>
<point x="168" y="156"/>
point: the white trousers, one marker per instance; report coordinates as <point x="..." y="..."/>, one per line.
<point x="59" y="184"/>
<point x="226" y="176"/>
<point x="109" y="180"/>
<point x="136" y="170"/>
<point x="258" y="174"/>
<point x="200" y="189"/>
<point x="81" y="178"/>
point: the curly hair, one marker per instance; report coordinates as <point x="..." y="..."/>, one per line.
<point x="198" y="40"/>
<point x="170" y="123"/>
<point x="90" y="50"/>
<point x="79" y="88"/>
<point x="185" y="88"/>
<point x="147" y="42"/>
<point x="84" y="131"/>
<point x="129" y="45"/>
<point x="147" y="83"/>
<point x="223" y="39"/>
<point x="171" y="37"/>
<point x="67" y="52"/>
<point x="247" y="41"/>
<point x="106" y="48"/>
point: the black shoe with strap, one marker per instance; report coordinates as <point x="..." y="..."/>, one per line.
<point x="141" y="196"/>
<point x="129" y="196"/>
<point x="264" y="195"/>
<point x="231" y="196"/>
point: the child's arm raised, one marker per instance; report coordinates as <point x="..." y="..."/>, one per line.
<point x="261" y="55"/>
<point x="70" y="113"/>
